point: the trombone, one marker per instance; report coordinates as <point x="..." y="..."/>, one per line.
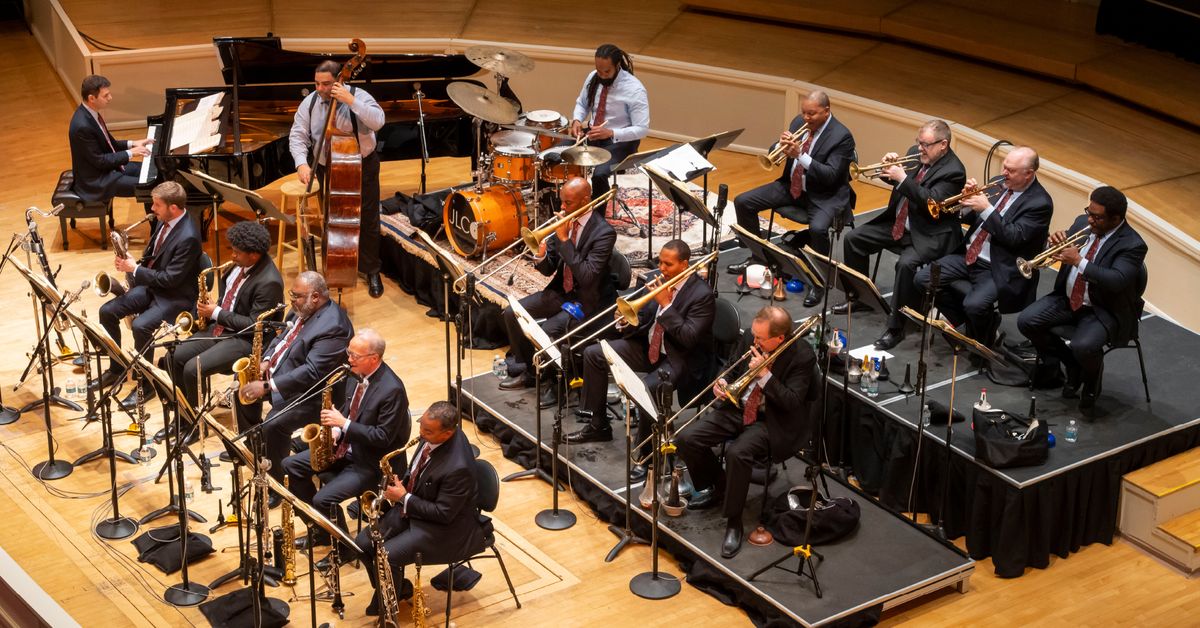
<point x="875" y="170"/>
<point x="1045" y="258"/>
<point x="531" y="238"/>
<point x="777" y="156"/>
<point x="954" y="203"/>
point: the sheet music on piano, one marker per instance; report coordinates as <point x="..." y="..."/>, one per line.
<point x="199" y="129"/>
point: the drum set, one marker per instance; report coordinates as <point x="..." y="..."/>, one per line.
<point x="528" y="158"/>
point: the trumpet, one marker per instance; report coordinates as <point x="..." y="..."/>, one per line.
<point x="777" y="156"/>
<point x="874" y="170"/>
<point x="1045" y="258"/>
<point x="531" y="238"/>
<point x="954" y="203"/>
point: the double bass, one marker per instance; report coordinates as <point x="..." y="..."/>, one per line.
<point x="343" y="193"/>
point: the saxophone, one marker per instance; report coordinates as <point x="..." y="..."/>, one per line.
<point x="369" y="501"/>
<point x="201" y="322"/>
<point x="320" y="437"/>
<point x="420" y="610"/>
<point x="289" y="540"/>
<point x="389" y="605"/>
<point x="246" y="369"/>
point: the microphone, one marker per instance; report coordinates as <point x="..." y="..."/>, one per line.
<point x="722" y="197"/>
<point x="83" y="287"/>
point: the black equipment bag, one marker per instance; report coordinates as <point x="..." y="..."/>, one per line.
<point x="1001" y="441"/>
<point x="832" y="519"/>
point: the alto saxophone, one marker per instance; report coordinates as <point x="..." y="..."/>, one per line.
<point x="289" y="540"/>
<point x="201" y="321"/>
<point x="320" y="437"/>
<point x="369" y="501"/>
<point x="246" y="369"/>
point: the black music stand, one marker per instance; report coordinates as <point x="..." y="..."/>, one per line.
<point x="224" y="192"/>
<point x="705" y="146"/>
<point x="450" y="272"/>
<point x="958" y="343"/>
<point x="546" y="353"/>
<point x="780" y="261"/>
<point x="629" y="163"/>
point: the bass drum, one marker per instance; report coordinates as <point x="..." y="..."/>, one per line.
<point x="492" y="219"/>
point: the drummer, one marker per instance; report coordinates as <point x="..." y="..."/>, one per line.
<point x="615" y="103"/>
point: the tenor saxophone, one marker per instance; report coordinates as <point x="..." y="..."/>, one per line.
<point x="288" y="550"/>
<point x="246" y="369"/>
<point x="320" y="437"/>
<point x="420" y="610"/>
<point x="201" y="321"/>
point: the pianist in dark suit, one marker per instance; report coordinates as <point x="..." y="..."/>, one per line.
<point x="101" y="163"/>
<point x="357" y="113"/>
<point x="163" y="280"/>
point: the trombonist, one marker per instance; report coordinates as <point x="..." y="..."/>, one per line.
<point x="576" y="259"/>
<point x="1014" y="227"/>
<point x="673" y="338"/>
<point x="906" y="227"/>
<point x="163" y="282"/>
<point x="371" y="421"/>
<point x="252" y="286"/>
<point x="773" y="418"/>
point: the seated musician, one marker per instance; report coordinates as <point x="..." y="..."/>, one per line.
<point x="252" y="286"/>
<point x="358" y="113"/>
<point x="301" y="358"/>
<point x="815" y="178"/>
<point x="433" y="503"/>
<point x="100" y="162"/>
<point x="772" y="420"/>
<point x="673" y="340"/>
<point x="616" y="102"/>
<point x="576" y="259"/>
<point x="1098" y="291"/>
<point x="369" y="423"/>
<point x="1015" y="226"/>
<point x="906" y="227"/>
<point x="163" y="281"/>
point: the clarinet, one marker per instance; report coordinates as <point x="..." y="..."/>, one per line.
<point x="335" y="566"/>
<point x="38" y="247"/>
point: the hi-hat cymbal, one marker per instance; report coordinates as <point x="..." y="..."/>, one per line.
<point x="587" y="156"/>
<point x="499" y="60"/>
<point x="482" y="103"/>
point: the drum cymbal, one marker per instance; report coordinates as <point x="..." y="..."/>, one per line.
<point x="587" y="156"/>
<point x="499" y="60"/>
<point x="482" y="103"/>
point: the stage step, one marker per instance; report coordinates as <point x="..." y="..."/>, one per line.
<point x="1160" y="509"/>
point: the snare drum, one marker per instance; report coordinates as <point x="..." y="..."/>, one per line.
<point x="513" y="164"/>
<point x="521" y="139"/>
<point x="491" y="219"/>
<point x="545" y="119"/>
<point x="560" y="171"/>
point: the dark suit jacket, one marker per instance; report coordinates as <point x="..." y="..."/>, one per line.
<point x="261" y="291"/>
<point x="787" y="398"/>
<point x="383" y="420"/>
<point x="1020" y="232"/>
<point x="96" y="166"/>
<point x="931" y="238"/>
<point x="176" y="265"/>
<point x="828" y="176"/>
<point x="1113" y="280"/>
<point x="319" y="348"/>
<point x="442" y="504"/>
<point x="687" y="326"/>
<point x="594" y="286"/>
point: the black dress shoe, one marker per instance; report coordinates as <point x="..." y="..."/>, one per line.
<point x="549" y="397"/>
<point x="704" y="499"/>
<point x="274" y="500"/>
<point x="191" y="436"/>
<point x="160" y="435"/>
<point x="737" y="269"/>
<point x="225" y="457"/>
<point x="590" y="434"/>
<point x="583" y="416"/>
<point x="815" y="295"/>
<point x="889" y="339"/>
<point x="345" y="557"/>
<point x="733" y="541"/>
<point x="857" y="306"/>
<point x="130" y="400"/>
<point x="637" y="473"/>
<point x="516" y="382"/>
<point x="321" y="539"/>
<point x="374" y="285"/>
<point x="106" y="380"/>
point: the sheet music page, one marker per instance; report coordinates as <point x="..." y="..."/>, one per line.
<point x="681" y="162"/>
<point x="534" y="332"/>
<point x="629" y="381"/>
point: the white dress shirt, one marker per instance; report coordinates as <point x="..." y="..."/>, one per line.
<point x="627" y="112"/>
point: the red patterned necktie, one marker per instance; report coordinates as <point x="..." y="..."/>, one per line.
<point x="227" y="302"/>
<point x="750" y="413"/>
<point x="108" y="138"/>
<point x="1080" y="282"/>
<point x="982" y="235"/>
<point x="283" y="345"/>
<point x="416" y="472"/>
<point x="797" y="187"/>
<point x="568" y="276"/>
<point x="158" y="242"/>
<point x="902" y="215"/>
<point x="344" y="446"/>
<point x="601" y="108"/>
<point x="656" y="338"/>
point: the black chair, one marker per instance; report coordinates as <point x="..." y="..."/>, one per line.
<point x="75" y="207"/>
<point x="618" y="266"/>
<point x="1067" y="331"/>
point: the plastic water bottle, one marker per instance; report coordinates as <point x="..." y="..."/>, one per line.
<point x="72" y="389"/>
<point x="496" y="364"/>
<point x="188" y="491"/>
<point x="1072" y="434"/>
<point x="873" y="379"/>
<point x="502" y="371"/>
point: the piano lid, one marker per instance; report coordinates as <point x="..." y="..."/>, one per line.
<point x="263" y="60"/>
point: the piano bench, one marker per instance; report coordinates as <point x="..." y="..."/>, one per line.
<point x="75" y="207"/>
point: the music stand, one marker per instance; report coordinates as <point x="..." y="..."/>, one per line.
<point x="958" y="343"/>
<point x="705" y="146"/>
<point x="224" y="192"/>
<point x="547" y="352"/>
<point x="451" y="271"/>
<point x="779" y="260"/>
<point x="629" y="163"/>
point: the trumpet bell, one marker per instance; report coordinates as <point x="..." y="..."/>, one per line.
<point x="1025" y="268"/>
<point x="766" y="162"/>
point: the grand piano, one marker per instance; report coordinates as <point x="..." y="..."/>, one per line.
<point x="263" y="86"/>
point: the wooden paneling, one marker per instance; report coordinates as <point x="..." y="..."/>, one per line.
<point x="629" y="24"/>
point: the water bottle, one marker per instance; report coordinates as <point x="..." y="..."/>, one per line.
<point x="71" y="390"/>
<point x="496" y="364"/>
<point x="1072" y="432"/>
<point x="502" y="373"/>
<point x="873" y="379"/>
<point x="188" y="492"/>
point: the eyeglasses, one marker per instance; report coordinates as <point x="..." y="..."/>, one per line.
<point x="928" y="145"/>
<point x="1093" y="215"/>
<point x="358" y="356"/>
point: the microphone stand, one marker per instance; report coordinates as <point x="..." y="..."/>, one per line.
<point x="42" y="354"/>
<point x="827" y="360"/>
<point x="105" y="416"/>
<point x="421" y="132"/>
<point x="9" y="414"/>
<point x="537" y="471"/>
<point x="460" y="321"/>
<point x="50" y="469"/>
<point x="115" y="527"/>
<point x="935" y="274"/>
<point x="625" y="535"/>
<point x="653" y="584"/>
<point x="173" y="465"/>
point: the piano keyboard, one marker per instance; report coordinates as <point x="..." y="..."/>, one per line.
<point x="149" y="172"/>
